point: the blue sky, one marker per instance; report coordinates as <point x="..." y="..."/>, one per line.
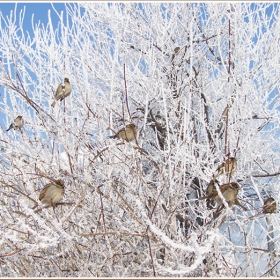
<point x="40" y="10"/>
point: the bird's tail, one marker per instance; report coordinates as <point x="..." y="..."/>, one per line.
<point x="10" y="127"/>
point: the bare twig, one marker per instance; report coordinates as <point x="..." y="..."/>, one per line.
<point x="126" y="95"/>
<point x="151" y="255"/>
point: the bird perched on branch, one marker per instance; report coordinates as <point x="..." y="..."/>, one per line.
<point x="128" y="133"/>
<point x="269" y="206"/>
<point x="209" y="191"/>
<point x="17" y="123"/>
<point x="229" y="192"/>
<point x="211" y="187"/>
<point x="227" y="167"/>
<point x="52" y="193"/>
<point x="63" y="90"/>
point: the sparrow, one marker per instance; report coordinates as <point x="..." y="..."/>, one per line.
<point x="63" y="90"/>
<point x="227" y="167"/>
<point x="52" y="193"/>
<point x="176" y="49"/>
<point x="209" y="190"/>
<point x="128" y="133"/>
<point x="229" y="192"/>
<point x="17" y="123"/>
<point x="269" y="206"/>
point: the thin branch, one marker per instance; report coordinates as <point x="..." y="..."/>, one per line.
<point x="266" y="175"/>
<point x="126" y="95"/>
<point x="270" y="269"/>
<point x="151" y="255"/>
<point x="112" y="233"/>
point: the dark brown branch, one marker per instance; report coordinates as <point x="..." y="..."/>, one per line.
<point x="270" y="269"/>
<point x="266" y="175"/>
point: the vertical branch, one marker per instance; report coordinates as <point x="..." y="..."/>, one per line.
<point x="64" y="63"/>
<point x="126" y="96"/>
<point x="227" y="152"/>
<point x="123" y="115"/>
<point x="226" y="133"/>
<point x="151" y="254"/>
<point x="237" y="144"/>
<point x="229" y="61"/>
<point x="229" y="50"/>
<point x="102" y="213"/>
<point x="270" y="244"/>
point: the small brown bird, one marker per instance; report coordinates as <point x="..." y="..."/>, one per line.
<point x="229" y="192"/>
<point x="211" y="188"/>
<point x="177" y="49"/>
<point x="269" y="206"/>
<point x="128" y="133"/>
<point x="209" y="191"/>
<point x="227" y="167"/>
<point x="52" y="193"/>
<point x="17" y="123"/>
<point x="63" y="90"/>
